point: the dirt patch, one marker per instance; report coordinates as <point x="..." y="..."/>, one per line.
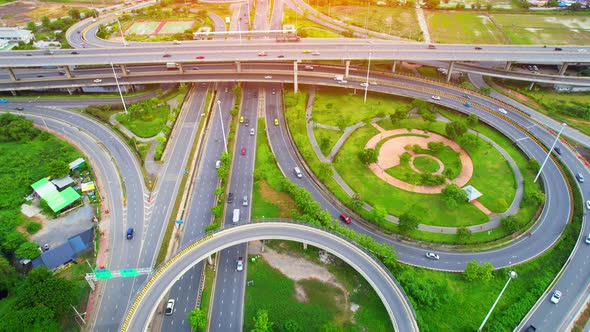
<point x="21" y="12"/>
<point x="285" y="203"/>
<point x="297" y="268"/>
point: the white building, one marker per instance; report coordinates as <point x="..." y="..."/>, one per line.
<point x="15" y="35"/>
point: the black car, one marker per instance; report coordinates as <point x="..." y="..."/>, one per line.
<point x="247" y="122"/>
<point x="74" y="52"/>
<point x="166" y="56"/>
<point x="19" y="108"/>
<point x="557" y="150"/>
<point x="558" y="49"/>
<point x="230" y="198"/>
<point x="477" y="48"/>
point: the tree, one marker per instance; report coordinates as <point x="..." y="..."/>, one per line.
<point x="32" y="26"/>
<point x="74" y="13"/>
<point x="469" y="141"/>
<point x="429" y="117"/>
<point x="405" y="158"/>
<point x="28" y="250"/>
<point x="42" y="287"/>
<point x="435" y="146"/>
<point x="455" y="129"/>
<point x="34" y="318"/>
<point x="431" y="4"/>
<point x="463" y="234"/>
<point x="261" y="322"/>
<point x="325" y="171"/>
<point x="292" y="326"/>
<point x="398" y="116"/>
<point x="452" y="192"/>
<point x="408" y="222"/>
<point x="197" y="319"/>
<point x="485" y="271"/>
<point x="378" y="214"/>
<point x="486" y="90"/>
<point x="471" y="271"/>
<point x="8" y="276"/>
<point x="533" y="165"/>
<point x="368" y="156"/>
<point x="510" y="223"/>
<point x="331" y="327"/>
<point x="16" y="128"/>
<point x="13" y="240"/>
<point x="45" y="22"/>
<point x="58" y="168"/>
<point x="356" y="201"/>
<point x="534" y="197"/>
<point x="325" y="143"/>
<point x="472" y="120"/>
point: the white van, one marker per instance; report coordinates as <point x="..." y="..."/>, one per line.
<point x="298" y="172"/>
<point x="236" y="217"/>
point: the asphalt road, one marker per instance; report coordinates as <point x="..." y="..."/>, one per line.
<point x="400" y="311"/>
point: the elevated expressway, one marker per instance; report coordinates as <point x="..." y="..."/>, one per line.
<point x="231" y="51"/>
<point x="399" y="309"/>
<point x="515" y="125"/>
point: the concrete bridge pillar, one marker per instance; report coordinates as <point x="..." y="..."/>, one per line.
<point x="347" y="68"/>
<point x="124" y="69"/>
<point x="450" y="70"/>
<point x="531" y="86"/>
<point x="180" y="68"/>
<point x="295" y="85"/>
<point x="68" y="72"/>
<point x="238" y="67"/>
<point x="508" y="65"/>
<point x="13" y="92"/>
<point x="394" y="66"/>
<point x="11" y="74"/>
<point x="563" y="68"/>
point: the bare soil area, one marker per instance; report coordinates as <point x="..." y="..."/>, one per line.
<point x="20" y="12"/>
<point x="285" y="203"/>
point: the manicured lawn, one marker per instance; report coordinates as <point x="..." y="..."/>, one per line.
<point x="326" y="135"/>
<point x="545" y="29"/>
<point x="332" y="107"/>
<point x="430" y="209"/>
<point x="426" y="164"/>
<point x="451" y="27"/>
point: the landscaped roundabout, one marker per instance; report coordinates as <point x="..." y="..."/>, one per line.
<point x="408" y="166"/>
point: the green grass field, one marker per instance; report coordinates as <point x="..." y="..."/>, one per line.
<point x="332" y="107"/>
<point x="545" y="29"/>
<point x="462" y="28"/>
<point x="425" y="164"/>
<point x="172" y="27"/>
<point x="395" y="21"/>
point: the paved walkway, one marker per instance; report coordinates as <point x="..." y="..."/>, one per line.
<point x="391" y="150"/>
<point x="422" y="23"/>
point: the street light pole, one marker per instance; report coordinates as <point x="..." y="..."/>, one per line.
<point x="367" y="80"/>
<point x="511" y="275"/>
<point x="119" y="88"/>
<point x="563" y="125"/>
<point x="121" y="31"/>
<point x="222" y="129"/>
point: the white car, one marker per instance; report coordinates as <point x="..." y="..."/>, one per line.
<point x="342" y="82"/>
<point x="98" y="80"/>
<point x="373" y="83"/>
<point x="315" y="53"/>
<point x="555" y="297"/>
<point x="268" y="77"/>
<point x="503" y="111"/>
<point x="240" y="265"/>
<point x="435" y="97"/>
<point x="364" y="84"/>
<point x="582" y="50"/>
<point x="432" y="255"/>
<point x="588" y="205"/>
<point x="588" y="239"/>
<point x="262" y="54"/>
<point x="169" y="307"/>
<point x="176" y="42"/>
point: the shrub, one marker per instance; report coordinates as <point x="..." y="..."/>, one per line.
<point x="33" y="227"/>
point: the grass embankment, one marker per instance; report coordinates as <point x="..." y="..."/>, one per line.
<point x="307" y="28"/>
<point x="571" y="108"/>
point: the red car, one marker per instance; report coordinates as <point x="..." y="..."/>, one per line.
<point x="345" y="218"/>
<point x="243" y="151"/>
<point x="200" y="57"/>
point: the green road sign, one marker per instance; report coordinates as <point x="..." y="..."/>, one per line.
<point x="129" y="273"/>
<point x="103" y="274"/>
